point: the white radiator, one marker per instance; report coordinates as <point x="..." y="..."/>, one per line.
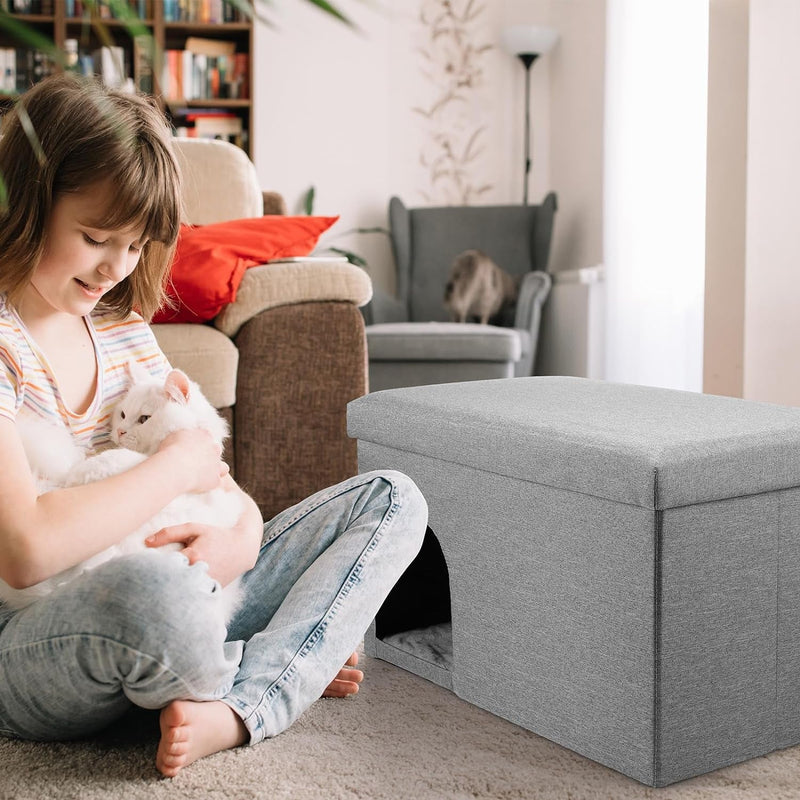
<point x="572" y="335"/>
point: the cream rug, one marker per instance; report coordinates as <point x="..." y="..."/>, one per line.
<point x="400" y="737"/>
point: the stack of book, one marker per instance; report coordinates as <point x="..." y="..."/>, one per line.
<point x="213" y="11"/>
<point x="105" y="9"/>
<point x="207" y="69"/>
<point x="209" y="123"/>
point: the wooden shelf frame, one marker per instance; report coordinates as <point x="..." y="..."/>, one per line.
<point x="166" y="34"/>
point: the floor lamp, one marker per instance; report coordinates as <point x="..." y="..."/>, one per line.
<point x="528" y="42"/>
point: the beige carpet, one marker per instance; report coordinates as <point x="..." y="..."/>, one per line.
<point x="401" y="737"/>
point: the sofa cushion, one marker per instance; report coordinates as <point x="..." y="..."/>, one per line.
<point x="210" y="260"/>
<point x="207" y="356"/>
<point x="442" y="341"/>
<point x="219" y="181"/>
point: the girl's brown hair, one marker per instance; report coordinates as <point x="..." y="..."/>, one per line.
<point x="67" y="134"/>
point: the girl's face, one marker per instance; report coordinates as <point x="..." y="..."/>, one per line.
<point x="81" y="261"/>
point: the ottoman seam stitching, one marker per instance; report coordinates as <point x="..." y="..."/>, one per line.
<point x="657" y="516"/>
<point x="647" y="506"/>
<point x="777" y="618"/>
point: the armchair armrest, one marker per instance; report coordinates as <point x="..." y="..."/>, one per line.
<point x="384" y="308"/>
<point x="533" y="293"/>
<point x="286" y="283"/>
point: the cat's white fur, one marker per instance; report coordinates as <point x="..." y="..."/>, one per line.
<point x="150" y="410"/>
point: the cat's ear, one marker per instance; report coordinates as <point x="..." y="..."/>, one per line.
<point x="177" y="386"/>
<point x="136" y="372"/>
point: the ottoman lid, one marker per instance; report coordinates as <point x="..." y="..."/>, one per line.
<point x="656" y="448"/>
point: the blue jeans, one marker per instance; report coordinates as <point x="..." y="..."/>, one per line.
<point x="140" y="629"/>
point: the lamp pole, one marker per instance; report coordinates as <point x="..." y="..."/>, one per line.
<point x="527" y="59"/>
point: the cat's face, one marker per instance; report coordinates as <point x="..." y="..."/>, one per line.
<point x="138" y="419"/>
<point x="151" y="410"/>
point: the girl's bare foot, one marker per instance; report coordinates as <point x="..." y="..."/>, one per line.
<point x="346" y="682"/>
<point x="192" y="730"/>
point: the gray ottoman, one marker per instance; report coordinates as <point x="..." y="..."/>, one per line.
<point x="616" y="568"/>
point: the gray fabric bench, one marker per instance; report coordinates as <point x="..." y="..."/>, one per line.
<point x="616" y="568"/>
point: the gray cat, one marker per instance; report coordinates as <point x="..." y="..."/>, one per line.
<point x="478" y="288"/>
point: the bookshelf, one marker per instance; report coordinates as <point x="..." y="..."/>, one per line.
<point x="193" y="56"/>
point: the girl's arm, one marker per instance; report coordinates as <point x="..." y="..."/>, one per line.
<point x="228" y="552"/>
<point x="42" y="535"/>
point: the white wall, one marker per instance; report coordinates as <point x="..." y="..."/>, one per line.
<point x="772" y="322"/>
<point x="334" y="109"/>
<point x="324" y="113"/>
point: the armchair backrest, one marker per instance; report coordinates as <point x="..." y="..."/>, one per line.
<point x="426" y="240"/>
<point x="219" y="181"/>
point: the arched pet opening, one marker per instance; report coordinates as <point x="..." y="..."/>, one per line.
<point x="416" y="616"/>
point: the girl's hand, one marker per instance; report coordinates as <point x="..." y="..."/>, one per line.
<point x="228" y="551"/>
<point x="200" y="458"/>
<point x="218" y="547"/>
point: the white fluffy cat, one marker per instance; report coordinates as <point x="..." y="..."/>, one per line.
<point x="149" y="411"/>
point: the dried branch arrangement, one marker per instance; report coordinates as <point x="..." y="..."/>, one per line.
<point x="452" y="62"/>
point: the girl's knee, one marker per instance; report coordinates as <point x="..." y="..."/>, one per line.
<point x="409" y="508"/>
<point x="155" y="598"/>
<point x="406" y="497"/>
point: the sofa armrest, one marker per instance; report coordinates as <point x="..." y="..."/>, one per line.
<point x="285" y="283"/>
<point x="300" y="364"/>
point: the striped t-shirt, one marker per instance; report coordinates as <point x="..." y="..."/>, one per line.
<point x="28" y="386"/>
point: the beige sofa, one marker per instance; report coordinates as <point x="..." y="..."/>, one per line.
<point x="283" y="360"/>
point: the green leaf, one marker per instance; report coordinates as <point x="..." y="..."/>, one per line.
<point x="352" y="257"/>
<point x="308" y="201"/>
<point x="249" y="9"/>
<point x="372" y="230"/>
<point x="129" y="18"/>
<point x="332" y="10"/>
<point x="29" y="36"/>
<point x="30" y="132"/>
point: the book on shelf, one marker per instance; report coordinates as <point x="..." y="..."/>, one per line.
<point x="197" y="76"/>
<point x="21" y="67"/>
<point x="207" y="11"/>
<point x="8" y="70"/>
<point x="109" y="64"/>
<point x="143" y="60"/>
<point x="104" y="9"/>
<point x="211" y="123"/>
<point x="210" y="47"/>
<point x="27" y="6"/>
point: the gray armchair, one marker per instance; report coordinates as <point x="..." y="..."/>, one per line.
<point x="409" y="340"/>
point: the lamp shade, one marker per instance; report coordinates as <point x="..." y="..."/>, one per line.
<point x="528" y="39"/>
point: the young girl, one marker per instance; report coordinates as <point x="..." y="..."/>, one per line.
<point x="86" y="237"/>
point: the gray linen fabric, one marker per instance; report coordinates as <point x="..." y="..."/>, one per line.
<point x="634" y="444"/>
<point x="623" y="562"/>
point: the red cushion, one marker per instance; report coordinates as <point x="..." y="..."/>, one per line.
<point x="210" y="260"/>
